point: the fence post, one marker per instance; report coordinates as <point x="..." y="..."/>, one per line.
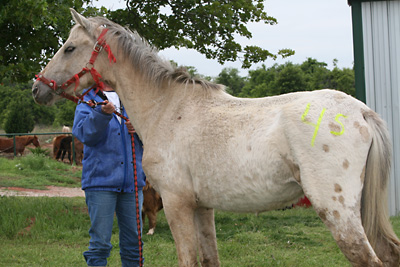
<point x="15" y="146"/>
<point x="73" y="150"/>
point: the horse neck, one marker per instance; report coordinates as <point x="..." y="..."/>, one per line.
<point x="27" y="140"/>
<point x="143" y="105"/>
<point x="142" y="99"/>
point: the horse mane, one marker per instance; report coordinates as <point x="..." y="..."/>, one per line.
<point x="141" y="53"/>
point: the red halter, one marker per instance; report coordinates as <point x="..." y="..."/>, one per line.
<point x="59" y="90"/>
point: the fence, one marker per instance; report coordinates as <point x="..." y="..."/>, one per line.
<point x="55" y="133"/>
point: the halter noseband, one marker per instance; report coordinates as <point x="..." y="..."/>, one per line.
<point x="59" y="89"/>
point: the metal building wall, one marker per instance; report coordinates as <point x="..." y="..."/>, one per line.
<point x="381" y="43"/>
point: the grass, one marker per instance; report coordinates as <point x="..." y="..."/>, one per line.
<point x="42" y="231"/>
<point x="54" y="231"/>
<point x="37" y="171"/>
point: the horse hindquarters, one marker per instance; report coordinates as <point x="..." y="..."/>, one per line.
<point x="351" y="200"/>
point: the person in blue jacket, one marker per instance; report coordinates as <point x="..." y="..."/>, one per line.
<point x="108" y="177"/>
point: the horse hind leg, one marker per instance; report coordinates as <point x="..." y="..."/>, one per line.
<point x="206" y="235"/>
<point x="338" y="206"/>
<point x="350" y="237"/>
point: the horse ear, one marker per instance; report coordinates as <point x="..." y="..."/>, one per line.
<point x="81" y="20"/>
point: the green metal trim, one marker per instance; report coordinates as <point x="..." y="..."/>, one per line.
<point x="351" y="2"/>
<point x="358" y="47"/>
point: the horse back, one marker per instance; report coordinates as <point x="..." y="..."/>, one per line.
<point x="6" y="145"/>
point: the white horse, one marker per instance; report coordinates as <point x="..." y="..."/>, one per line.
<point x="205" y="149"/>
<point x="66" y="129"/>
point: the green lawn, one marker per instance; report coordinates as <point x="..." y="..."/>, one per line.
<point x="45" y="231"/>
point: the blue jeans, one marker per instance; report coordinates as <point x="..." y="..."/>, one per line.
<point x="102" y="205"/>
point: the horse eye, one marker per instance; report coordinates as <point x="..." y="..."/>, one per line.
<point x="69" y="49"/>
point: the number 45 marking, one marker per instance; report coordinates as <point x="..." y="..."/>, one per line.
<point x="316" y="125"/>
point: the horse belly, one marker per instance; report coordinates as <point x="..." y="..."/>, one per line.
<point x="252" y="199"/>
<point x="246" y="191"/>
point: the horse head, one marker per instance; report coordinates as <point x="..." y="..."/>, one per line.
<point x="71" y="62"/>
<point x="35" y="141"/>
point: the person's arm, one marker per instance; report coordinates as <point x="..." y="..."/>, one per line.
<point x="90" y="124"/>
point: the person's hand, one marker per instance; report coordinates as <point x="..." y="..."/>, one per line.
<point x="108" y="108"/>
<point x="128" y="124"/>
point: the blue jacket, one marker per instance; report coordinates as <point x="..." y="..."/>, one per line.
<point x="107" y="154"/>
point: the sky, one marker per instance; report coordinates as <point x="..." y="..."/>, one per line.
<point x="320" y="29"/>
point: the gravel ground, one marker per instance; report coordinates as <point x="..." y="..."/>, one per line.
<point x="52" y="191"/>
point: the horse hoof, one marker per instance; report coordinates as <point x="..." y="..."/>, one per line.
<point x="151" y="231"/>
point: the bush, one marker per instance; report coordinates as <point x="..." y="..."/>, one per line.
<point x="19" y="118"/>
<point x="40" y="151"/>
<point x="34" y="163"/>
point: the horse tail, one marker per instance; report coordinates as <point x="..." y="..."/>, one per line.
<point x="55" y="147"/>
<point x="374" y="202"/>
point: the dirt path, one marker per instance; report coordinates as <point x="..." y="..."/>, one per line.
<point x="52" y="191"/>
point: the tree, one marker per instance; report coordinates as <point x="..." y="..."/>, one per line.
<point x="9" y="92"/>
<point x="343" y="80"/>
<point x="204" y="25"/>
<point x="231" y="79"/>
<point x="260" y="82"/>
<point x="65" y="114"/>
<point x="289" y="79"/>
<point x="317" y="75"/>
<point x="19" y="117"/>
<point x="31" y="32"/>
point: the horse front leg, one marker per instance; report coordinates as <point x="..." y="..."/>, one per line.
<point x="179" y="212"/>
<point x="207" y="238"/>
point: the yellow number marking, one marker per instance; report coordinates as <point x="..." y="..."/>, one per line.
<point x="316" y="126"/>
<point x="341" y="124"/>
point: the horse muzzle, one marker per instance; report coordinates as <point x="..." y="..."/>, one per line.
<point x="42" y="94"/>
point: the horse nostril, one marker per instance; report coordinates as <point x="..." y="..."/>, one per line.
<point x="35" y="90"/>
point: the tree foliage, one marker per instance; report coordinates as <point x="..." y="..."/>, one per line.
<point x="19" y="118"/>
<point x="286" y="78"/>
<point x="65" y="113"/>
<point x="31" y="32"/>
<point x="231" y="79"/>
<point x="14" y="92"/>
<point x="209" y="27"/>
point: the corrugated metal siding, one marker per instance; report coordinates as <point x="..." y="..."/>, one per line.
<point x="381" y="38"/>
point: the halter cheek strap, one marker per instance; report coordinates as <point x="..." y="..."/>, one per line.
<point x="89" y="68"/>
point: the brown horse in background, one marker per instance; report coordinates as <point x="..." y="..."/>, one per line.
<point x="62" y="145"/>
<point x="152" y="203"/>
<point x="7" y="144"/>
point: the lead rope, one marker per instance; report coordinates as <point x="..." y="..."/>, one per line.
<point x="136" y="192"/>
